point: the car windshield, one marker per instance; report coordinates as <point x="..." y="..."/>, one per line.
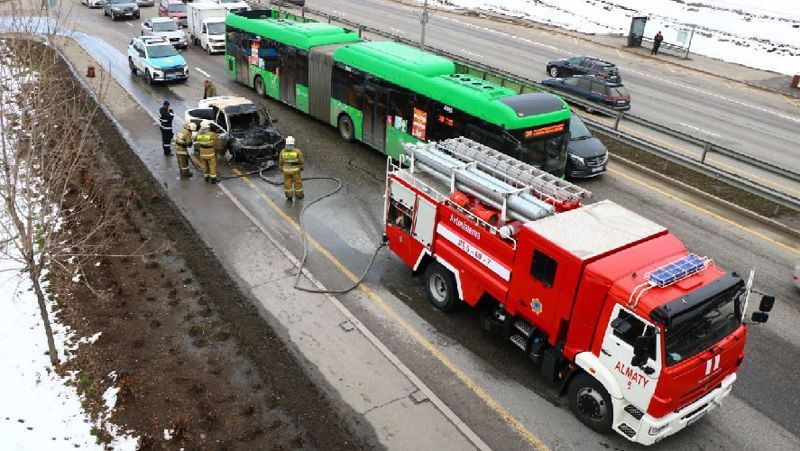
<point x="161" y="51"/>
<point x="543" y="147"/>
<point x="176" y="8"/>
<point x="715" y="319"/>
<point x="120" y="2"/>
<point x="165" y="26"/>
<point x="248" y="120"/>
<point x="577" y="129"/>
<point x="619" y="91"/>
<point x="216" y="28"/>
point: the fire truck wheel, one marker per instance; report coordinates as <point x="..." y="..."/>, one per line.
<point x="590" y="402"/>
<point x="441" y="287"/>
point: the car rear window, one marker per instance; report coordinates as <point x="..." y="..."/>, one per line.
<point x="619" y="91"/>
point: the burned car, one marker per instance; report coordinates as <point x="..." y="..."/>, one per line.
<point x="246" y="127"/>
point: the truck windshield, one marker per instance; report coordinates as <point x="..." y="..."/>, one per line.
<point x="216" y="28"/>
<point x="715" y="319"/>
<point x="165" y="26"/>
<point x="161" y="51"/>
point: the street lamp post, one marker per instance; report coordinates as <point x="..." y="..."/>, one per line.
<point x="424" y="21"/>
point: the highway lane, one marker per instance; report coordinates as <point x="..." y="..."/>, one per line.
<point x="747" y="120"/>
<point x="494" y="365"/>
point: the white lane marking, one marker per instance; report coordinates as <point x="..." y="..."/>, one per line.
<point x="700" y="130"/>
<point x="681" y="85"/>
<point x="129" y="24"/>
<point x="476" y="55"/>
<point x="396" y="30"/>
<point x="203" y="72"/>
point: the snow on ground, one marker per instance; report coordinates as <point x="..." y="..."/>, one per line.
<point x="38" y="410"/>
<point x="755" y="33"/>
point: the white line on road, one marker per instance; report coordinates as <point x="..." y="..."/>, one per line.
<point x="700" y="130"/>
<point x="476" y="55"/>
<point x="129" y="24"/>
<point x="203" y="72"/>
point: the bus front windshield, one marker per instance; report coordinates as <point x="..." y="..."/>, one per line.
<point x="704" y="326"/>
<point x="548" y="152"/>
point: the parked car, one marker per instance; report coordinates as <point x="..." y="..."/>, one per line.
<point x="587" y="155"/>
<point x="145" y="2"/>
<point x="584" y="65"/>
<point x="174" y="9"/>
<point x="610" y="94"/>
<point x="157" y="59"/>
<point x="248" y="129"/>
<point x="166" y="28"/>
<point x="93" y="3"/>
<point x="118" y="9"/>
<point x="796" y="275"/>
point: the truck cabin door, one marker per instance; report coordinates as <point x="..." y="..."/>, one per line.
<point x="638" y="383"/>
<point x="535" y="287"/>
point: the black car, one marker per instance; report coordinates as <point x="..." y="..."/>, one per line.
<point x="587" y="155"/>
<point x="584" y="65"/>
<point x="610" y="94"/>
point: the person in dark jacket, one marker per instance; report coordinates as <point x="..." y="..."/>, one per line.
<point x="165" y="122"/>
<point x="657" y="43"/>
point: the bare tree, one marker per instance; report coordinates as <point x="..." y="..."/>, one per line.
<point x="47" y="145"/>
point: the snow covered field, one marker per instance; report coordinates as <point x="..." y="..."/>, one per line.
<point x="755" y="33"/>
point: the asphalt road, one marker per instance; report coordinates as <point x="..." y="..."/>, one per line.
<point x="480" y="377"/>
<point x="751" y="121"/>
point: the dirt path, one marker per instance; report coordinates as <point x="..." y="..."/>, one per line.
<point x="195" y="364"/>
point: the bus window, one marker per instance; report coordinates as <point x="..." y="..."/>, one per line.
<point x="269" y="56"/>
<point x="347" y="86"/>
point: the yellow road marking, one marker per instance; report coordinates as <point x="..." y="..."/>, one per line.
<point x="424" y="342"/>
<point x="793" y="102"/>
<point x="730" y="86"/>
<point x="575" y="40"/>
<point x="619" y="53"/>
<point x="669" y="66"/>
<point x="705" y="211"/>
<point x="716" y="162"/>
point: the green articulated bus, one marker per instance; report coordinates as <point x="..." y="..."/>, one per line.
<point x="386" y="94"/>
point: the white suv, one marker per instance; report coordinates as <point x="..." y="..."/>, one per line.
<point x="157" y="59"/>
<point x="166" y="28"/>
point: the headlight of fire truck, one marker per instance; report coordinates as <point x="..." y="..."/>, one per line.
<point x="657" y="430"/>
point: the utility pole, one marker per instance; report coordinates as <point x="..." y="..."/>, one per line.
<point x="424" y="21"/>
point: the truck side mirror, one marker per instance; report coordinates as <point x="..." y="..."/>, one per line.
<point x="760" y="317"/>
<point x="640" y="351"/>
<point x="767" y="302"/>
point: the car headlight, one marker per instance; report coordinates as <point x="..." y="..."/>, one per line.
<point x="577" y="160"/>
<point x="657" y="430"/>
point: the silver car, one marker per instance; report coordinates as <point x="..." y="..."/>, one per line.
<point x="120" y="9"/>
<point x="145" y="2"/>
<point x="164" y="27"/>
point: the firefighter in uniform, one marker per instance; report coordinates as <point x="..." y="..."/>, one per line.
<point x="165" y="122"/>
<point x="182" y="142"/>
<point x="204" y="143"/>
<point x="291" y="163"/>
<point x="210" y="90"/>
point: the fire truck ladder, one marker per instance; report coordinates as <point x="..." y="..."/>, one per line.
<point x="519" y="191"/>
<point x="545" y="185"/>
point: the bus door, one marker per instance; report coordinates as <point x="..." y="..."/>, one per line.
<point x="288" y="73"/>
<point x="375" y="111"/>
<point x="243" y="50"/>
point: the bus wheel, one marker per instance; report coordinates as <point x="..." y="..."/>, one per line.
<point x="258" y="83"/>
<point x="346" y="129"/>
<point x="590" y="402"/>
<point x="440" y="285"/>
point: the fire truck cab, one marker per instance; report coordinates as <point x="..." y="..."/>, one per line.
<point x="643" y="337"/>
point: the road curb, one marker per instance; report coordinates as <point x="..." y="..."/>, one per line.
<point x="709" y="197"/>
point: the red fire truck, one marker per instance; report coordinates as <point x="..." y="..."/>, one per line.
<point x="643" y="336"/>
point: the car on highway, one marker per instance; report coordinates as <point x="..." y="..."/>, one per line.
<point x="157" y="59"/>
<point x="174" y="9"/>
<point x="796" y="275"/>
<point x="247" y="128"/>
<point x="164" y="27"/>
<point x="587" y="155"/>
<point x="92" y="3"/>
<point x="583" y="65"/>
<point x="146" y="2"/>
<point x="607" y="93"/>
<point x="233" y="6"/>
<point x="120" y="9"/>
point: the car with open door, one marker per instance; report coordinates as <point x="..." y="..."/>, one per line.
<point x="246" y="127"/>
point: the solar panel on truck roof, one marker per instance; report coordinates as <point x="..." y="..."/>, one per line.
<point x="677" y="270"/>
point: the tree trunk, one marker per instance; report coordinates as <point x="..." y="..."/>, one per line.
<point x="51" y="344"/>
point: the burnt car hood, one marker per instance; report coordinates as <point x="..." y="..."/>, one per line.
<point x="586" y="148"/>
<point x="257" y="136"/>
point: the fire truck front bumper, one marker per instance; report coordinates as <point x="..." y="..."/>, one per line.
<point x="652" y="430"/>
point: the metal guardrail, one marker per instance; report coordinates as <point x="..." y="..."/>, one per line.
<point x="698" y="165"/>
